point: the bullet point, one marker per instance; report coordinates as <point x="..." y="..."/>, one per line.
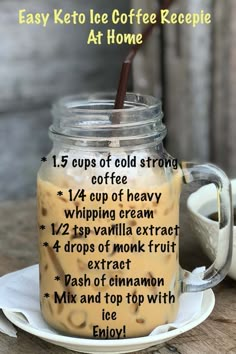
<point x="57" y="278"/>
<point x="46" y="295"/>
<point x="45" y="244"/>
<point x="43" y="159"/>
<point x="60" y="193"/>
<point x="42" y="227"/>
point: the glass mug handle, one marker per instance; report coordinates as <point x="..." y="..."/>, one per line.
<point x="218" y="270"/>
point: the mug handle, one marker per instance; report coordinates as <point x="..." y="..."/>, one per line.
<point x="220" y="267"/>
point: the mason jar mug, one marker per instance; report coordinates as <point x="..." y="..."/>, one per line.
<point x="108" y="215"/>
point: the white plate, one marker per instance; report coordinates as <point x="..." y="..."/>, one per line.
<point x="113" y="346"/>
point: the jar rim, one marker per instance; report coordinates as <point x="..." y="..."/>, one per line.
<point x="90" y="119"/>
<point x="78" y="104"/>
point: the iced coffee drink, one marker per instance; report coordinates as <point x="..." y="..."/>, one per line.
<point x="109" y="269"/>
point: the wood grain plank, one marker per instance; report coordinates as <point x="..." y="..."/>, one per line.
<point x="146" y="65"/>
<point x="220" y="94"/>
<point x="188" y="82"/>
<point x="232" y="92"/>
<point x="223" y="123"/>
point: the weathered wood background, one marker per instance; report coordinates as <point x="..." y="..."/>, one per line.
<point x="38" y="65"/>
<point x="193" y="69"/>
<point x="198" y="81"/>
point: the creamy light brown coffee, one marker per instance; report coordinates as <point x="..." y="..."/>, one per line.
<point x="140" y="269"/>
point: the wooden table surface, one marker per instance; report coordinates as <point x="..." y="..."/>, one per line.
<point x="18" y="249"/>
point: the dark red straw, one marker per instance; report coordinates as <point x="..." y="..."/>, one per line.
<point x="126" y="66"/>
